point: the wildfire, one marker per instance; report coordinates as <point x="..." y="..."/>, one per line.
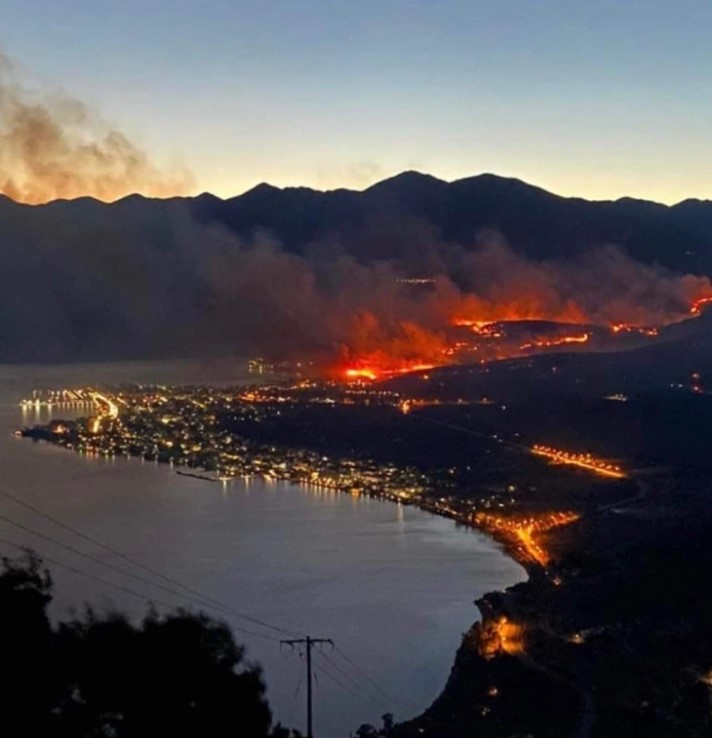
<point x="474" y="324"/>
<point x="361" y="374"/>
<point x="557" y="341"/>
<point x="500" y="635"/>
<point x="698" y="304"/>
<point x="583" y="461"/>
<point x="617" y="328"/>
<point x="374" y="373"/>
<point x="374" y="352"/>
<point x="484" y="328"/>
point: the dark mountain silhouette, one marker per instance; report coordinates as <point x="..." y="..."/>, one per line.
<point x="532" y="220"/>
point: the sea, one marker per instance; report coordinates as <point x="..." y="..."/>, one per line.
<point x="392" y="586"/>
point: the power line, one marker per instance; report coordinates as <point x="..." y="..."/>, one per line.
<point x="204" y="599"/>
<point x="120" y="570"/>
<point x="139" y="564"/>
<point x="152" y="600"/>
<point x="294" y="699"/>
<point x="101" y="562"/>
<point x="355" y="689"/>
<point x="321" y="669"/>
<point x="127" y="590"/>
<point x="355" y="666"/>
<point x="308" y="642"/>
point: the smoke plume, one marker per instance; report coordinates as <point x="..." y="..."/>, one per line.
<point x="344" y="311"/>
<point x="84" y="280"/>
<point x="53" y="146"/>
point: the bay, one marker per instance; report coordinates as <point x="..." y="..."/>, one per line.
<point x="392" y="586"/>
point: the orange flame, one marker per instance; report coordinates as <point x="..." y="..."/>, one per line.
<point x="626" y="328"/>
<point x="380" y="346"/>
<point x="372" y="373"/>
<point x="558" y="341"/>
<point x="360" y="374"/>
<point x="698" y="304"/>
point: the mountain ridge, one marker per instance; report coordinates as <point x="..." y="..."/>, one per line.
<point x="374" y="223"/>
<point x="533" y="220"/>
<point x="483" y="176"/>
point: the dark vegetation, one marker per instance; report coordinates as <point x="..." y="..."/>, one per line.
<point x="174" y="675"/>
<point x="622" y="646"/>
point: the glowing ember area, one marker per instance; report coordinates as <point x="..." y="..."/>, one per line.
<point x="474" y="324"/>
<point x="534" y="309"/>
<point x="526" y="306"/>
<point x="520" y="531"/>
<point x="360" y="374"/>
<point x="699" y="304"/>
<point x="383" y="327"/>
<point x="557" y="341"/>
<point x="499" y="636"/>
<point x="483" y="328"/>
<point x="375" y="373"/>
<point x="583" y="461"/>
<point x="381" y="349"/>
<point x="618" y="328"/>
<point x="488" y="315"/>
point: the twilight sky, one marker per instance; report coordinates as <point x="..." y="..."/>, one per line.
<point x="598" y="98"/>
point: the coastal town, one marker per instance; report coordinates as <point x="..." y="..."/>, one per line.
<point x="205" y="432"/>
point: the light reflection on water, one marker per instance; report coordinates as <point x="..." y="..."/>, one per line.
<point x="393" y="586"/>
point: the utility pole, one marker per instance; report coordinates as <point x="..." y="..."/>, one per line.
<point x="308" y="643"/>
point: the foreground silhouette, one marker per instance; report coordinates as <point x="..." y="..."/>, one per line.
<point x="173" y="675"/>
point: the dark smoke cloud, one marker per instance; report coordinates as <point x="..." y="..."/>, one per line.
<point x="53" y="146"/>
<point x="352" y="310"/>
<point x="84" y="280"/>
<point x="602" y="285"/>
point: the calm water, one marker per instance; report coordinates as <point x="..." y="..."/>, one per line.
<point x="393" y="586"/>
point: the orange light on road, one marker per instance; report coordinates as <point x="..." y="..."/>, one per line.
<point x="583" y="461"/>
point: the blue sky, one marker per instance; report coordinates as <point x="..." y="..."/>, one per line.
<point x="599" y="99"/>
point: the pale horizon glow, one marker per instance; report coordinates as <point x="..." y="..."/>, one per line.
<point x="596" y="100"/>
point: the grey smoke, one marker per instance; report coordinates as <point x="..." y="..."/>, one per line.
<point x="54" y="146"/>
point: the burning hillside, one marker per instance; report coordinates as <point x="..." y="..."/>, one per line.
<point x="560" y="309"/>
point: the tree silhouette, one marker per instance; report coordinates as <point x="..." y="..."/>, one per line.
<point x="178" y="675"/>
<point x="29" y="686"/>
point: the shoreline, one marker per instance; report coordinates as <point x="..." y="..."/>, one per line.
<point x="507" y="543"/>
<point x="485" y="608"/>
<point x="202" y="477"/>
